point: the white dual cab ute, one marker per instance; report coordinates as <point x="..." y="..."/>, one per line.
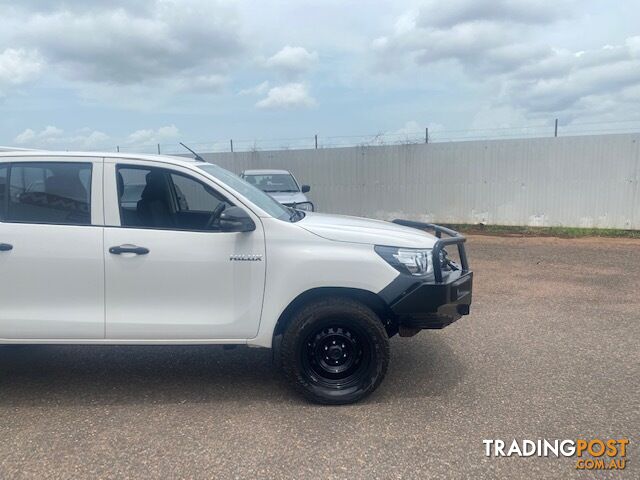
<point x="104" y="248"/>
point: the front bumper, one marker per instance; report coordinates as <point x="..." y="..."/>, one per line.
<point x="431" y="305"/>
<point x="436" y="303"/>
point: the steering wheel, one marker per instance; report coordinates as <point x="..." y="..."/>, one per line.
<point x="215" y="215"/>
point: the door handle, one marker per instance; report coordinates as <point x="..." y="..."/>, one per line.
<point x="128" y="249"/>
<point x="5" y="247"/>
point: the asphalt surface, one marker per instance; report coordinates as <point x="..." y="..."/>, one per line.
<point x="549" y="351"/>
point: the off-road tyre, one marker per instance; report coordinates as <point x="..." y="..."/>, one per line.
<point x="335" y="351"/>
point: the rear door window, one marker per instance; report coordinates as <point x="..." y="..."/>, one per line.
<point x="50" y="192"/>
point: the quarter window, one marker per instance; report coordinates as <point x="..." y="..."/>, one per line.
<point x="160" y="198"/>
<point x="57" y="193"/>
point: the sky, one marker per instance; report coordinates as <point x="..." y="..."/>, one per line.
<point x="93" y="75"/>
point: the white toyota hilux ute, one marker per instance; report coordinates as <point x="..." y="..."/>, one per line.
<point x="105" y="248"/>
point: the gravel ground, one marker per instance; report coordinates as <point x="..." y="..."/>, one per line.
<point x="549" y="351"/>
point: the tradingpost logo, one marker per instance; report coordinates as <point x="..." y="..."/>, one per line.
<point x="590" y="454"/>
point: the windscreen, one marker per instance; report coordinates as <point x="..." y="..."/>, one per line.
<point x="253" y="194"/>
<point x="276" y="182"/>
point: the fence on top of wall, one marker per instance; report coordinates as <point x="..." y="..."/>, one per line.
<point x="579" y="181"/>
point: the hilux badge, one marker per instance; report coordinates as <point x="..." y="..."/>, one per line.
<point x="245" y="258"/>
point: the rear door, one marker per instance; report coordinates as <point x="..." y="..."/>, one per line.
<point x="51" y="263"/>
<point x="169" y="272"/>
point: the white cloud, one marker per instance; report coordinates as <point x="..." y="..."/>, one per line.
<point x="55" y="138"/>
<point x="454" y="12"/>
<point x="410" y="128"/>
<point x="25" y="137"/>
<point x="50" y="132"/>
<point x="151" y="136"/>
<point x="292" y="61"/>
<point x="127" y="43"/>
<point x="585" y="83"/>
<point x="46" y="135"/>
<point x="495" y="43"/>
<point x="90" y="139"/>
<point x="502" y="62"/>
<point x="259" y="89"/>
<point x="290" y="95"/>
<point x="18" y="66"/>
<point x="479" y="34"/>
<point x="595" y="85"/>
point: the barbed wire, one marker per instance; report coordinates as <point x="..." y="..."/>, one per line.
<point x="428" y="135"/>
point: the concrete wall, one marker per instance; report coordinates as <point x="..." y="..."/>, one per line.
<point x="586" y="181"/>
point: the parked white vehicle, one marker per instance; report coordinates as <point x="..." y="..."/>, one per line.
<point x="281" y="185"/>
<point x="143" y="249"/>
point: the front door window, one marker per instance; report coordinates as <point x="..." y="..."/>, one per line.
<point x="157" y="198"/>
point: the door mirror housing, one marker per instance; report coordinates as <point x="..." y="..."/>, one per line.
<point x="305" y="188"/>
<point x="235" y="219"/>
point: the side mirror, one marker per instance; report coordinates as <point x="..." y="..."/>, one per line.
<point x="305" y="188"/>
<point x="235" y="219"/>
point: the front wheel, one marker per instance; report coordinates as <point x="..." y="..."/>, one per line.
<point x="335" y="351"/>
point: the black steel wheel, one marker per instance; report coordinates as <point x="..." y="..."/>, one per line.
<point x="335" y="351"/>
<point x="336" y="355"/>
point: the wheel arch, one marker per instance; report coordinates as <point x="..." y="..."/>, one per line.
<point x="366" y="297"/>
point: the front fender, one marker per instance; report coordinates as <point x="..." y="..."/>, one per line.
<point x="299" y="261"/>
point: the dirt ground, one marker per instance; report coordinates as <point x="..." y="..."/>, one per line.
<point x="550" y="351"/>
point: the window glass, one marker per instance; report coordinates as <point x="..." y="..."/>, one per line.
<point x="58" y="193"/>
<point x="3" y="190"/>
<point x="279" y="182"/>
<point x="160" y="198"/>
<point x="130" y="186"/>
<point x="194" y="196"/>
<point x="253" y="194"/>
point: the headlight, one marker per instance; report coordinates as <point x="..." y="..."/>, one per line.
<point x="411" y="261"/>
<point x="306" y="206"/>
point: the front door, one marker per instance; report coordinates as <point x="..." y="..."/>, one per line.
<point x="51" y="261"/>
<point x="169" y="270"/>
